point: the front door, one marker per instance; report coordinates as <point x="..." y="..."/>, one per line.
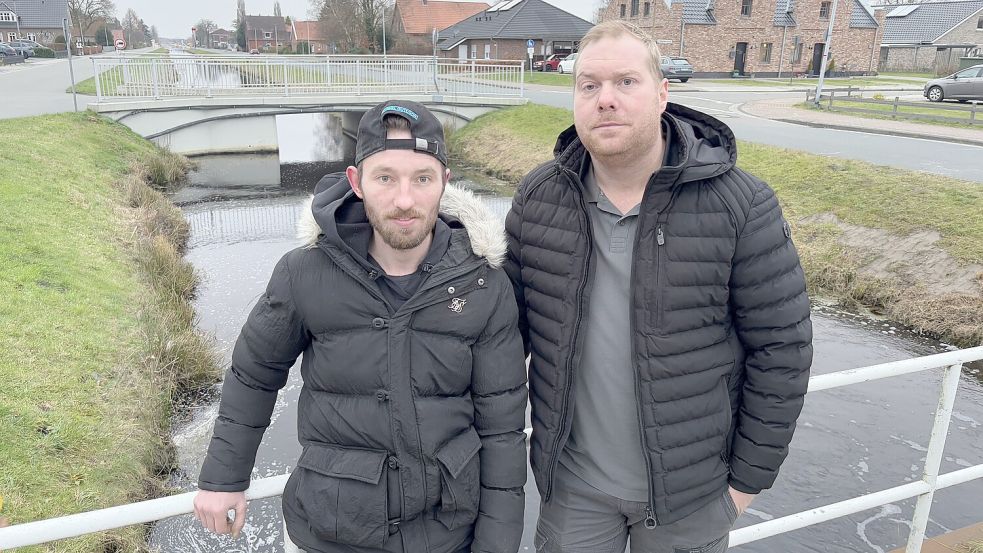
<point x="740" y="58"/>
<point x="462" y="52"/>
<point x="817" y="57"/>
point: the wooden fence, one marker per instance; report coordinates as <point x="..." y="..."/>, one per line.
<point x="849" y="100"/>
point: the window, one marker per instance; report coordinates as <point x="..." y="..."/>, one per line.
<point x="622" y="11"/>
<point x="766" y="52"/>
<point x="824" y="10"/>
<point x="32" y="36"/>
<point x="968" y="74"/>
<point x="634" y="8"/>
<point x="797" y="54"/>
<point x="746" y="8"/>
<point x="487" y="51"/>
<point x="11" y="37"/>
<point x="8" y="16"/>
<point x="267" y="34"/>
<point x="979" y="24"/>
<point x="648" y="9"/>
<point x="474" y="51"/>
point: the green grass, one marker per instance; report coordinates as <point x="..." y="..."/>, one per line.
<point x="509" y="143"/>
<point x="92" y="347"/>
<point x="925" y="76"/>
<point x="959" y="119"/>
<point x="549" y="78"/>
<point x="811" y="83"/>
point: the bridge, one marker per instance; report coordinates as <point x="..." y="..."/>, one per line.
<point x="229" y="104"/>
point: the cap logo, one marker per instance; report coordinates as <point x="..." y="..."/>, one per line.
<point x="400" y="109"/>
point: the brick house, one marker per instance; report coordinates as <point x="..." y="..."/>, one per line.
<point x="267" y="33"/>
<point x="220" y="38"/>
<point x="38" y="20"/>
<point x="414" y="21"/>
<point x="764" y="38"/>
<point x="931" y="37"/>
<point x="502" y="32"/>
<point x="311" y="33"/>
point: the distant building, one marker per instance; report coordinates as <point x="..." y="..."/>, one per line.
<point x="267" y="32"/>
<point x="414" y="22"/>
<point x="39" y="20"/>
<point x="931" y="37"/>
<point x="220" y="38"/>
<point x="503" y="31"/>
<point x="311" y="33"/>
<point x="758" y="37"/>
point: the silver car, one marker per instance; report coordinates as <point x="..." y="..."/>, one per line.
<point x="964" y="86"/>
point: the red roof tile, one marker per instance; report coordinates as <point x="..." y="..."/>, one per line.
<point x="420" y="17"/>
<point x="308" y="30"/>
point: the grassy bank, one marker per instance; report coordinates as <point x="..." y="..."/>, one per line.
<point x="114" y="76"/>
<point x="844" y="214"/>
<point x="958" y="119"/>
<point x="96" y="322"/>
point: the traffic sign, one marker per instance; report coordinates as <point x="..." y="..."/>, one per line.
<point x="120" y="44"/>
<point x="530" y="51"/>
<point x="530" y="43"/>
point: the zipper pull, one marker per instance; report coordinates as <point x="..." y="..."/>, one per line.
<point x="649" y="519"/>
<point x="661" y="238"/>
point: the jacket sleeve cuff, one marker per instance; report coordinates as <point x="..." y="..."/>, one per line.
<point x="212" y="487"/>
<point x="741" y="487"/>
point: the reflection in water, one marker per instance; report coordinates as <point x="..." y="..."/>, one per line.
<point x="855" y="440"/>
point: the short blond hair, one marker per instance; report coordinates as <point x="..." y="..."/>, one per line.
<point x="618" y="29"/>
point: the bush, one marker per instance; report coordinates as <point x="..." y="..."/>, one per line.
<point x="44" y="53"/>
<point x="60" y="39"/>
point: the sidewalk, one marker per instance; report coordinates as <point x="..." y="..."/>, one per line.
<point x="782" y="109"/>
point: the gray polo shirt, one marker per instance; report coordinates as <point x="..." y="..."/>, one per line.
<point x="605" y="447"/>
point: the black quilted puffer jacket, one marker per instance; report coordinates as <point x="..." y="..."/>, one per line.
<point x="721" y="334"/>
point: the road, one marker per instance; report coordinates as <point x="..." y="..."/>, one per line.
<point x="932" y="156"/>
<point x="34" y="90"/>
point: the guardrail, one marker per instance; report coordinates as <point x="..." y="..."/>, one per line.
<point x="833" y="100"/>
<point x="166" y="76"/>
<point x="44" y="531"/>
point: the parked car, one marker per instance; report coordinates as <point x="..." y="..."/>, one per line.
<point x="25" y="48"/>
<point x="24" y="51"/>
<point x="676" y="68"/>
<point x="7" y="50"/>
<point x="549" y="64"/>
<point x="566" y="65"/>
<point x="963" y="85"/>
<point x="254" y="52"/>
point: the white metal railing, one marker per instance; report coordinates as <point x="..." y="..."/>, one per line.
<point x="33" y="533"/>
<point x="166" y="76"/>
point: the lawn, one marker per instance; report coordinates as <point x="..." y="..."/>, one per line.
<point x="959" y="119"/>
<point x="811" y="83"/>
<point x="112" y="77"/>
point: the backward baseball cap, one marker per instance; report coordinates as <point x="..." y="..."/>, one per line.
<point x="426" y="131"/>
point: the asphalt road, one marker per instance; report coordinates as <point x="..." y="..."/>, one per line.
<point x="932" y="156"/>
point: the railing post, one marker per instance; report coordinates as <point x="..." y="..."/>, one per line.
<point x="208" y="79"/>
<point x="286" y="80"/>
<point x="474" y="79"/>
<point x="829" y="106"/>
<point x="894" y="112"/>
<point x="153" y="68"/>
<point x="972" y="114"/>
<point x="95" y="71"/>
<point x="933" y="459"/>
<point x="522" y="80"/>
<point x="358" y="77"/>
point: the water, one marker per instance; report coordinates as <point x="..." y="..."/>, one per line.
<point x="855" y="440"/>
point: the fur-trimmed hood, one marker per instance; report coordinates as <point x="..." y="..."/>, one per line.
<point x="458" y="207"/>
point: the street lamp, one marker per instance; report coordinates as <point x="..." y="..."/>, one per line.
<point x="17" y="19"/>
<point x="829" y="38"/>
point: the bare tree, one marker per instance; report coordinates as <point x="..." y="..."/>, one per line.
<point x="352" y="24"/>
<point x="276" y="9"/>
<point x="205" y="28"/>
<point x="85" y="12"/>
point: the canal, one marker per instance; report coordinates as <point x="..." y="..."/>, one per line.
<point x="242" y="211"/>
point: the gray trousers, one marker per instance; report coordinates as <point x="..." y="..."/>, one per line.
<point x="581" y="519"/>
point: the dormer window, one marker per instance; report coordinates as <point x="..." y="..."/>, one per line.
<point x="8" y="16"/>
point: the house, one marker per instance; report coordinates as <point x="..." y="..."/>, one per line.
<point x="312" y="33"/>
<point x="414" y="21"/>
<point x="931" y="37"/>
<point x="37" y="20"/>
<point x="504" y="30"/>
<point x="764" y="38"/>
<point x="267" y="32"/>
<point x="220" y="38"/>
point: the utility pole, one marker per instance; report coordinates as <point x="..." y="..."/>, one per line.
<point x="829" y="38"/>
<point x="17" y="19"/>
<point x="71" y="70"/>
<point x="383" y="30"/>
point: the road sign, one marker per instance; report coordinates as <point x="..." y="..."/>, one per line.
<point x="530" y="51"/>
<point x="120" y="44"/>
<point x="530" y="43"/>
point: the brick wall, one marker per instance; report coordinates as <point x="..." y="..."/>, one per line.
<point x="498" y="49"/>
<point x="712" y="48"/>
<point x="927" y="58"/>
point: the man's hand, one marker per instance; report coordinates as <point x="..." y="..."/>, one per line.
<point x="212" y="510"/>
<point x="741" y="500"/>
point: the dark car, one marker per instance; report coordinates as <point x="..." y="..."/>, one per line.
<point x="549" y="64"/>
<point x="676" y="68"/>
<point x="22" y="48"/>
<point x="963" y="85"/>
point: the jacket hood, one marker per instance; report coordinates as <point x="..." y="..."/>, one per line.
<point x="703" y="146"/>
<point x="459" y="208"/>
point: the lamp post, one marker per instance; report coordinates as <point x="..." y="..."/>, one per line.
<point x="17" y="19"/>
<point x="829" y="38"/>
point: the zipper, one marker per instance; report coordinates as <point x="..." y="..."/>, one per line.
<point x="555" y="458"/>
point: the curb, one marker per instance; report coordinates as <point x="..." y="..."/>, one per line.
<point x="886" y="132"/>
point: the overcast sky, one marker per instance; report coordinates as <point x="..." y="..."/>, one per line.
<point x="174" y="18"/>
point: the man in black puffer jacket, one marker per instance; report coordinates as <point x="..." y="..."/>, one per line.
<point x="413" y="405"/>
<point x="664" y="307"/>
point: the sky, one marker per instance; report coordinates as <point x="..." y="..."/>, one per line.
<point x="174" y="18"/>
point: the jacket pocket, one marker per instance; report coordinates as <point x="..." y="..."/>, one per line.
<point x="343" y="494"/>
<point x="460" y="480"/>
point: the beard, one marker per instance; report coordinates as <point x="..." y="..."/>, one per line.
<point x="392" y="234"/>
<point x="639" y="139"/>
